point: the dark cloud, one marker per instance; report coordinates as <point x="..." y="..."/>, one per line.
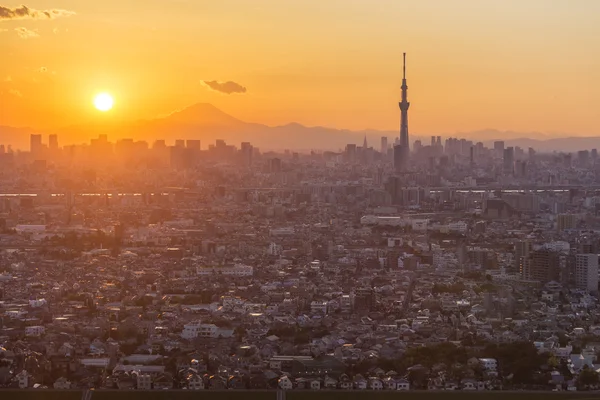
<point x="228" y="87"/>
<point x="24" y="12"/>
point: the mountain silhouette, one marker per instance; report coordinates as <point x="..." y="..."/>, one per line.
<point x="204" y="114"/>
<point x="208" y="123"/>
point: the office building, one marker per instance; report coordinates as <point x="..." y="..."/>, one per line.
<point x="35" y="144"/>
<point x="53" y="142"/>
<point x="542" y="266"/>
<point x="522" y="251"/>
<point x="384" y="145"/>
<point x="193" y="145"/>
<point x="508" y="161"/>
<point x="499" y="148"/>
<point x="246" y="150"/>
<point x="586" y="272"/>
<point x="565" y="221"/>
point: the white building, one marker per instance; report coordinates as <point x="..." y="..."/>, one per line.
<point x="35" y="331"/>
<point x="458" y="226"/>
<point x="318" y="307"/>
<point x="37" y="303"/>
<point x="24" y="229"/>
<point x="282" y="231"/>
<point x="234" y="270"/>
<point x="197" y="329"/>
<point x="586" y="272"/>
<point x="23" y="379"/>
<point x="489" y="364"/>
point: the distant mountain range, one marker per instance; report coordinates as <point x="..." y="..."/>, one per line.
<point x="206" y="122"/>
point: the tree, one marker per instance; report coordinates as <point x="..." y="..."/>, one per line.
<point x="552" y="361"/>
<point x="587" y="377"/>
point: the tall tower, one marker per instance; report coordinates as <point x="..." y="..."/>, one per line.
<point x="404" y="104"/>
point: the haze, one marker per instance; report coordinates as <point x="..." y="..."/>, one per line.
<point x="510" y="65"/>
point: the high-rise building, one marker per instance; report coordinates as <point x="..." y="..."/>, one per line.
<point x="522" y="250"/>
<point x="404" y="105"/>
<point x="586" y="272"/>
<point x="508" y="161"/>
<point x="499" y="148"/>
<point x="159" y="144"/>
<point x="246" y="150"/>
<point x="384" y="145"/>
<point x="565" y="221"/>
<point x="35" y="144"/>
<point x="350" y="152"/>
<point x="542" y="265"/>
<point x="193" y="145"/>
<point x="179" y="143"/>
<point x="275" y="165"/>
<point x="53" y="142"/>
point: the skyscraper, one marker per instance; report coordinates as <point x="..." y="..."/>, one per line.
<point x="246" y="151"/>
<point x="509" y="161"/>
<point x="586" y="272"/>
<point x="404" y="104"/>
<point x="35" y="144"/>
<point x="53" y="142"/>
<point x="384" y="145"/>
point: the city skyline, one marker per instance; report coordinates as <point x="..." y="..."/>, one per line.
<point x="471" y="71"/>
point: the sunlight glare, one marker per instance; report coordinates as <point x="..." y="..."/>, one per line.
<point x="103" y="101"/>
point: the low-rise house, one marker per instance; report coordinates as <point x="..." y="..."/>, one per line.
<point x="62" y="384"/>
<point x="375" y="383"/>
<point x="315" y="384"/>
<point x="360" y="383"/>
<point x="163" y="381"/>
<point x="285" y="383"/>
<point x="217" y="382"/>
<point x="329" y="382"/>
<point x="23" y="379"/>
<point x="345" y="383"/>
<point x="402" y="384"/>
<point x="144" y="381"/>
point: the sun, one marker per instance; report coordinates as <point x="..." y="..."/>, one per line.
<point x="103" y="101"/>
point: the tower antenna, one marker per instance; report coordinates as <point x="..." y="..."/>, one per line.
<point x="403" y="65"/>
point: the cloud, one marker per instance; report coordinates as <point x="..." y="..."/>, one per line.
<point x="15" y="92"/>
<point x="228" y="87"/>
<point x="24" y="12"/>
<point x="25" y="33"/>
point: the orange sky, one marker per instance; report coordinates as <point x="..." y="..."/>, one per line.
<point x="524" y="65"/>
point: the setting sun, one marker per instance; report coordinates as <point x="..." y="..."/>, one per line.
<point x="103" y="101"/>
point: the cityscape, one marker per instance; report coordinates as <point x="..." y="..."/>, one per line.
<point x="404" y="264"/>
